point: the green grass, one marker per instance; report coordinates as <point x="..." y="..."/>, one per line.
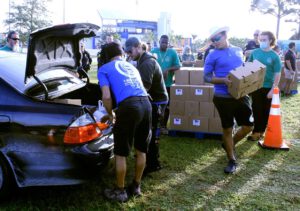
<point x="193" y="178"/>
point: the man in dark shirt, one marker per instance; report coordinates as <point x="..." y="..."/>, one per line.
<point x="289" y="67"/>
<point x="86" y="61"/>
<point x="153" y="81"/>
<point x="251" y="45"/>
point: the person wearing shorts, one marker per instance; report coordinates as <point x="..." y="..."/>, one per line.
<point x="289" y="67"/>
<point x="121" y="81"/>
<point x="218" y="64"/>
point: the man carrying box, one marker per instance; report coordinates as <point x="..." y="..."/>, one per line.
<point x="218" y="64"/>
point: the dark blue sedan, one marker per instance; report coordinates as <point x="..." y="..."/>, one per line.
<point x="48" y="131"/>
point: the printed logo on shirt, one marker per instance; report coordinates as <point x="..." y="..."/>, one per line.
<point x="125" y="69"/>
<point x="269" y="60"/>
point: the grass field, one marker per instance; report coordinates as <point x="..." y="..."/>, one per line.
<point x="193" y="178"/>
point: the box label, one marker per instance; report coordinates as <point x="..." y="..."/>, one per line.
<point x="177" y="121"/>
<point x="178" y="91"/>
<point x="198" y="91"/>
<point x="196" y="122"/>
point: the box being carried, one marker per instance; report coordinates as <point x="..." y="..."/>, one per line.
<point x="246" y="79"/>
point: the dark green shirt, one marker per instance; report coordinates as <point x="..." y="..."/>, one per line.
<point x="272" y="62"/>
<point x="167" y="59"/>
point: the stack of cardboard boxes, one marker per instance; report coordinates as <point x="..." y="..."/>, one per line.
<point x="294" y="84"/>
<point x="191" y="106"/>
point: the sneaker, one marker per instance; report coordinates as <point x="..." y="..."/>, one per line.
<point x="231" y="167"/>
<point x="134" y="189"/>
<point x="150" y="169"/>
<point x="116" y="194"/>
<point x="254" y="137"/>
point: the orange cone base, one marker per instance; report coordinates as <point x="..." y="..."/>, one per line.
<point x="283" y="146"/>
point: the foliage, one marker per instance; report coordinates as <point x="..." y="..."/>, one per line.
<point x="295" y="18"/>
<point x="27" y="17"/>
<point x="277" y="8"/>
<point x="149" y="37"/>
<point x="239" y="42"/>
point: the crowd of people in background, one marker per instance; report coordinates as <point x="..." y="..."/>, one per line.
<point x="135" y="80"/>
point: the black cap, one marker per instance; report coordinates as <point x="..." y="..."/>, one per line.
<point x="131" y="42"/>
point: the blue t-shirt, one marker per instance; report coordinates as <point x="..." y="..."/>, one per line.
<point x="123" y="79"/>
<point x="220" y="62"/>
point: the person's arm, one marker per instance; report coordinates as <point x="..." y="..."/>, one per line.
<point x="289" y="65"/>
<point x="147" y="72"/>
<point x="176" y="63"/>
<point x="277" y="70"/>
<point x="107" y="102"/>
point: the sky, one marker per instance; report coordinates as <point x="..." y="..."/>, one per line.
<point x="187" y="16"/>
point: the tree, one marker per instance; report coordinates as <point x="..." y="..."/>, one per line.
<point x="27" y="17"/>
<point x="277" y="8"/>
<point x="295" y="19"/>
<point x="149" y="37"/>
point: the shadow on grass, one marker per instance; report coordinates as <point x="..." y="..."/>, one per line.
<point x="201" y="184"/>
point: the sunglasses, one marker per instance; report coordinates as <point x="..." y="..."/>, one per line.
<point x="15" y="39"/>
<point x="255" y="34"/>
<point x="216" y="39"/>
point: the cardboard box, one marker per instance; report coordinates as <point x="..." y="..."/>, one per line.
<point x="215" y="125"/>
<point x="246" y="79"/>
<point x="198" y="124"/>
<point x="282" y="81"/>
<point x="199" y="93"/>
<point x="69" y="101"/>
<point x="179" y="92"/>
<point x="182" y="77"/>
<point x="199" y="63"/>
<point x="211" y="93"/>
<point x="206" y="109"/>
<point x="191" y="108"/>
<point x="178" y="122"/>
<point x="177" y="107"/>
<point x="196" y="77"/>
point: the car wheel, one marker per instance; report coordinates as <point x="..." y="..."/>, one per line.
<point x="6" y="184"/>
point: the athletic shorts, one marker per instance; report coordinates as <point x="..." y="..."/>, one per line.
<point x="289" y="74"/>
<point x="230" y="109"/>
<point x="132" y="126"/>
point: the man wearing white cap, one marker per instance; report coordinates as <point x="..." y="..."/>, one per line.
<point x="218" y="64"/>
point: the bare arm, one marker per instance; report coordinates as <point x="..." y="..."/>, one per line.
<point x="107" y="102"/>
<point x="288" y="64"/>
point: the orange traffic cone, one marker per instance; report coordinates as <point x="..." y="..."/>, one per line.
<point x="273" y="137"/>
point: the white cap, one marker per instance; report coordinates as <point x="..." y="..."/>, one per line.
<point x="216" y="30"/>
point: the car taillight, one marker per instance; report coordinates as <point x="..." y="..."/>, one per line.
<point x="82" y="130"/>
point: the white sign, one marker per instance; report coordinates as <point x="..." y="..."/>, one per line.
<point x="179" y="92"/>
<point x="196" y="122"/>
<point x="198" y="91"/>
<point x="177" y="121"/>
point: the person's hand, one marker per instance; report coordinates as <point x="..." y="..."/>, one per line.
<point x="270" y="94"/>
<point x="227" y="81"/>
<point x="106" y="118"/>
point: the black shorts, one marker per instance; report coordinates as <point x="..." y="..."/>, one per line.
<point x="133" y="125"/>
<point x="230" y="109"/>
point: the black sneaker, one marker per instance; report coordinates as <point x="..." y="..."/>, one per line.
<point x="150" y="169"/>
<point x="134" y="189"/>
<point x="116" y="194"/>
<point x="231" y="167"/>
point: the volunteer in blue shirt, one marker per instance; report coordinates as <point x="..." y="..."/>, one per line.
<point x="218" y="64"/>
<point x="120" y="80"/>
